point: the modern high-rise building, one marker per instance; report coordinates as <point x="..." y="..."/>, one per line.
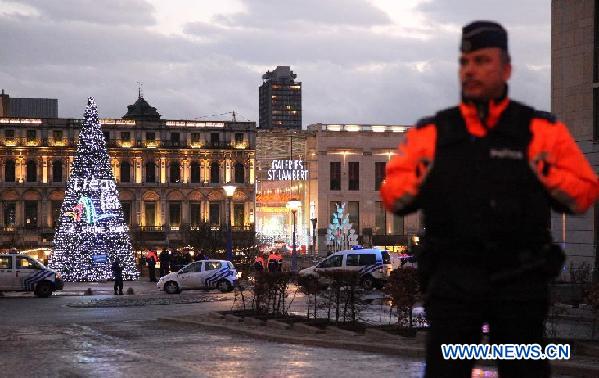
<point x="280" y="100"/>
<point x="575" y="101"/>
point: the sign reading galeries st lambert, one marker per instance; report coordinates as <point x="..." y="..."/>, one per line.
<point x="287" y="170"/>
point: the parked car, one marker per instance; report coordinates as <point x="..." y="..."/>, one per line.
<point x="23" y="273"/>
<point x="374" y="266"/>
<point x="206" y="274"/>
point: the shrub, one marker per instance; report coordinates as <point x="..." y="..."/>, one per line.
<point x="404" y="291"/>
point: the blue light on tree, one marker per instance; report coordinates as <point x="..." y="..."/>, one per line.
<point x="91" y="231"/>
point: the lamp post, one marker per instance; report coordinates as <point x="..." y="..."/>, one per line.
<point x="229" y="191"/>
<point x="314" y="220"/>
<point x="293" y="205"/>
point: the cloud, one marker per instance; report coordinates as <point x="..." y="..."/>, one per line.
<point x="112" y="12"/>
<point x="357" y="63"/>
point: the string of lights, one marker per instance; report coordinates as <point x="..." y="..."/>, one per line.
<point x="91" y="232"/>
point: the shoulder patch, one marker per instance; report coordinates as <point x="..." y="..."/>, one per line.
<point x="425" y="121"/>
<point x="545" y="115"/>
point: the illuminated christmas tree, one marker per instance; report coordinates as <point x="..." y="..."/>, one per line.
<point x="91" y="231"/>
<point x="340" y="233"/>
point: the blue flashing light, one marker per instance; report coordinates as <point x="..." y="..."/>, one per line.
<point x="354" y="247"/>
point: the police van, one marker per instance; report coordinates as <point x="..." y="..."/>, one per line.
<point x="23" y="273"/>
<point x="374" y="266"/>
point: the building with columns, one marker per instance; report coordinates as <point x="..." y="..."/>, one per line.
<point x="169" y="174"/>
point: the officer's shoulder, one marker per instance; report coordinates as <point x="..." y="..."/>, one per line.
<point x="425" y="121"/>
<point x="547" y="116"/>
<point x="537" y="114"/>
<point x="434" y="119"/>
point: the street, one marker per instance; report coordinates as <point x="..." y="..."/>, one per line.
<point x="49" y="338"/>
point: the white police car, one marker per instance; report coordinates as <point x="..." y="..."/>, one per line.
<point x="23" y="273"/>
<point x="205" y="274"/>
<point x="373" y="265"/>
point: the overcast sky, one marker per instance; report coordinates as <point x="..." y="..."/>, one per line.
<point x="359" y="61"/>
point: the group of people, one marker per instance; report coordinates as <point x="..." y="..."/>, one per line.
<point x="272" y="262"/>
<point x="170" y="261"/>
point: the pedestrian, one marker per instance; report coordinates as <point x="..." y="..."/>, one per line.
<point x="117" y="272"/>
<point x="486" y="174"/>
<point x="279" y="261"/>
<point x="151" y="260"/>
<point x="187" y="257"/>
<point x="259" y="264"/>
<point x="164" y="258"/>
<point x="199" y="255"/>
<point x="273" y="262"/>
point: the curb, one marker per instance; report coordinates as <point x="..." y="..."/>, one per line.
<point x="392" y="349"/>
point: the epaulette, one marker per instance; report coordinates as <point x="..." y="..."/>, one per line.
<point x="425" y="121"/>
<point x="545" y="115"/>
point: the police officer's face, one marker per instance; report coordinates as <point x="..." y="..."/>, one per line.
<point x="483" y="73"/>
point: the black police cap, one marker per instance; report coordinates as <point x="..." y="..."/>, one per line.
<point x="481" y="34"/>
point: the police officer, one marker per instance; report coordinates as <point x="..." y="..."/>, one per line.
<point x="486" y="174"/>
<point x="164" y="258"/>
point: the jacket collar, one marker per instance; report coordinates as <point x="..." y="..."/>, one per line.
<point x="480" y="117"/>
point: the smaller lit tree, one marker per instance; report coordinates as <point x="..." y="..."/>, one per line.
<point x="340" y="233"/>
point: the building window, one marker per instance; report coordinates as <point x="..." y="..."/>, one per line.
<point x="239" y="173"/>
<point x="195" y="214"/>
<point x="150" y="213"/>
<point x="174" y="214"/>
<point x="125" y="135"/>
<point x="214" y="172"/>
<point x="214" y="214"/>
<point x="9" y="171"/>
<point x="175" y="139"/>
<point x="175" y="172"/>
<point x="398" y="223"/>
<point x="57" y="171"/>
<point x="379" y="174"/>
<point x="380" y="219"/>
<point x="150" y="171"/>
<point x="10" y="214"/>
<point x="31" y="171"/>
<point x="55" y="212"/>
<point x="125" y="171"/>
<point x="335" y="171"/>
<point x="214" y="139"/>
<point x="353" y="210"/>
<point x="9" y="134"/>
<point x="195" y="172"/>
<point x="126" y="212"/>
<point x="151" y="136"/>
<point x="30" y="214"/>
<point x="31" y="135"/>
<point x="353" y="168"/>
<point x="238" y="214"/>
<point x="106" y="136"/>
<point x="238" y="138"/>
<point x="196" y="137"/>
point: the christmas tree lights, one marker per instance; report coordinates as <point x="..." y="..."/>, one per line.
<point x="91" y="231"/>
<point x="340" y="233"/>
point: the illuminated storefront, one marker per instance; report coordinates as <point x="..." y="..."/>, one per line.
<point x="282" y="175"/>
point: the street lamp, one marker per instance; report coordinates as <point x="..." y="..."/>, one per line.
<point x="293" y="205"/>
<point x="229" y="191"/>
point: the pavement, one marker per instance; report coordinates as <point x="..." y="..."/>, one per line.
<point x="584" y="361"/>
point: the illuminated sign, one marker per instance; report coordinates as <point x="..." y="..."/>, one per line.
<point x="287" y="170"/>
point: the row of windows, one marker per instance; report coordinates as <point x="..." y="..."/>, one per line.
<point x="31" y="136"/>
<point x="125" y="174"/>
<point x="353" y="170"/>
<point x="150" y="213"/>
